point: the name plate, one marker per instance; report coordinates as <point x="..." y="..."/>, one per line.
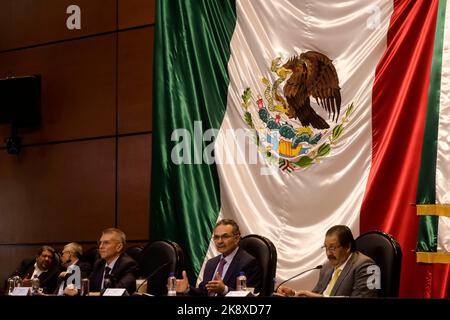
<point x="115" y="292"/>
<point x="239" y="294"/>
<point x="21" y="291"/>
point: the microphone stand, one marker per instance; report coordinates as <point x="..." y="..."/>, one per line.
<point x="298" y="275"/>
<point x="150" y="277"/>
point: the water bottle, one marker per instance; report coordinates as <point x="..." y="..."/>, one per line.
<point x="11" y="286"/>
<point x="17" y="281"/>
<point x="84" y="291"/>
<point x="172" y="284"/>
<point x="35" y="285"/>
<point x="241" y="282"/>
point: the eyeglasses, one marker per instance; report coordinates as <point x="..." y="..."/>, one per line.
<point x="224" y="236"/>
<point x="106" y="242"/>
<point x="331" y="248"/>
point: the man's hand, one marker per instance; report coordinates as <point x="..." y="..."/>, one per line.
<point x="217" y="285"/>
<point x="26" y="283"/>
<point x="307" y="293"/>
<point x="183" y="284"/>
<point x="286" y="291"/>
<point x="70" y="290"/>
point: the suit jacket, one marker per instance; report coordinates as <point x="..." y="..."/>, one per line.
<point x="353" y="279"/>
<point x="85" y="269"/>
<point x="242" y="261"/>
<point x="47" y="279"/>
<point x="123" y="274"/>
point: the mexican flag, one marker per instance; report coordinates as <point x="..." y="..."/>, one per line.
<point x="433" y="193"/>
<point x="291" y="117"/>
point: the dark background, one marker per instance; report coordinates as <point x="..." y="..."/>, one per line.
<point x="88" y="165"/>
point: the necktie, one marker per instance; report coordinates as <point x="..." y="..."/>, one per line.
<point x="220" y="272"/>
<point x="106" y="279"/>
<point x="221" y="264"/>
<point x="332" y="282"/>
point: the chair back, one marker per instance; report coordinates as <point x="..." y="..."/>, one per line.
<point x="135" y="252"/>
<point x="266" y="254"/>
<point x="387" y="254"/>
<point x="90" y="256"/>
<point x="157" y="260"/>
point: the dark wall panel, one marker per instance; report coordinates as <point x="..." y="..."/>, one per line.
<point x="78" y="87"/>
<point x="88" y="165"/>
<point x="58" y="193"/>
<point x="133" y="198"/>
<point x="42" y="21"/>
<point x="135" y="80"/>
<point x="136" y="13"/>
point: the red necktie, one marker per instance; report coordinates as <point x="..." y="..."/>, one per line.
<point x="220" y="268"/>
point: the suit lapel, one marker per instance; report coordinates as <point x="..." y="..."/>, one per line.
<point x="232" y="268"/>
<point x="116" y="268"/>
<point x="326" y="278"/>
<point x="343" y="274"/>
<point x="99" y="276"/>
<point x="43" y="276"/>
<point x="209" y="271"/>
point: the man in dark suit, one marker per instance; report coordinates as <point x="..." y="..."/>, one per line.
<point x="345" y="273"/>
<point x="70" y="257"/>
<point x="43" y="267"/>
<point x="114" y="269"/>
<point x="219" y="276"/>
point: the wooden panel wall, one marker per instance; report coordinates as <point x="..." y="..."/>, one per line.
<point x="87" y="166"/>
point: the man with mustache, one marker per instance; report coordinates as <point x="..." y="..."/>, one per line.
<point x="43" y="267"/>
<point x="346" y="271"/>
<point x="219" y="276"/>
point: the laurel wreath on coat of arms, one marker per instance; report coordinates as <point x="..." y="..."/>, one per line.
<point x="288" y="130"/>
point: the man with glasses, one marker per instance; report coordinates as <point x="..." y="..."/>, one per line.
<point x="219" y="276"/>
<point x="114" y="269"/>
<point x="346" y="272"/>
<point x="70" y="259"/>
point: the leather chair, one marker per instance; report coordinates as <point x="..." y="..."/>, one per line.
<point x="157" y="260"/>
<point x="135" y="252"/>
<point x="90" y="255"/>
<point x="265" y="252"/>
<point x="387" y="254"/>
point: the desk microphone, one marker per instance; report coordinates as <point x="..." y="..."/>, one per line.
<point x="150" y="277"/>
<point x="297" y="275"/>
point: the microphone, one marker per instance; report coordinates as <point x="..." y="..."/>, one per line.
<point x="297" y="275"/>
<point x="150" y="277"/>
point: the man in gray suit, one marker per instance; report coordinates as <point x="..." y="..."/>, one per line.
<point x="347" y="271"/>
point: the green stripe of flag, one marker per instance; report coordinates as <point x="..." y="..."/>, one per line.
<point x="426" y="190"/>
<point x="190" y="86"/>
